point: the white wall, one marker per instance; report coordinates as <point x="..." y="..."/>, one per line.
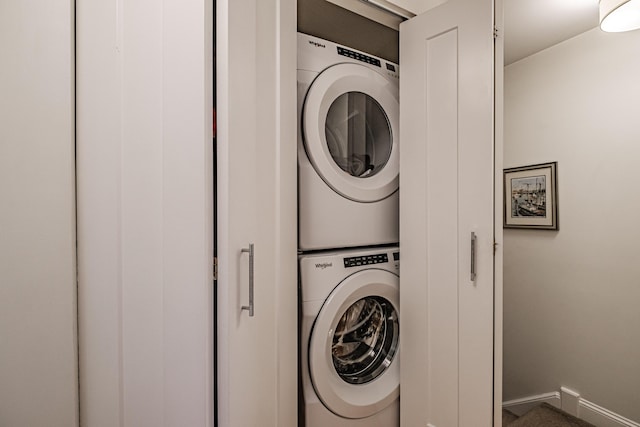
<point x="571" y="315"/>
<point x="145" y="205"/>
<point x="38" y="350"/>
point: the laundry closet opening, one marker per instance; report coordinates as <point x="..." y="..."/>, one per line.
<point x="348" y="218"/>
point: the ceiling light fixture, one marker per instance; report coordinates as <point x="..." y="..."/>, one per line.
<point x="619" y="15"/>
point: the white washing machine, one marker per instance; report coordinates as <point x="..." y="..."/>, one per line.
<point x="349" y="346"/>
<point x="347" y="147"/>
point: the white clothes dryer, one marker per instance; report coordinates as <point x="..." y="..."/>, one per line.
<point x="347" y="147"/>
<point x="349" y="338"/>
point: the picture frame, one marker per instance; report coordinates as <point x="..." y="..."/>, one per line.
<point x="531" y="197"/>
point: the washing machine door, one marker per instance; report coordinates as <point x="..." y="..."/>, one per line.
<point x="350" y="131"/>
<point x="353" y="348"/>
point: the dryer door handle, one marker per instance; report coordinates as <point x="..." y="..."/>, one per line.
<point x="251" y="253"/>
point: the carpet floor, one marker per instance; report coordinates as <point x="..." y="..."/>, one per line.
<point x="544" y="415"/>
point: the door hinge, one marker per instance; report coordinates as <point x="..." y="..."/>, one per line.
<point x="495" y="247"/>
<point x="215" y="268"/>
<point x="496" y="32"/>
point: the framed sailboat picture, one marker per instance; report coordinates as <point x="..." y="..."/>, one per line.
<point x="531" y="197"/>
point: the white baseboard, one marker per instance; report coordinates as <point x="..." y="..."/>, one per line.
<point x="522" y="406"/>
<point x="588" y="411"/>
<point x="602" y="417"/>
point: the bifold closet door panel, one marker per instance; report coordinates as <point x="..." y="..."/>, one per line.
<point x="145" y="212"/>
<point x="38" y="331"/>
<point x="257" y="208"/>
<point x="447" y="216"/>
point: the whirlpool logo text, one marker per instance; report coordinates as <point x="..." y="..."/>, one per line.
<point x="323" y="265"/>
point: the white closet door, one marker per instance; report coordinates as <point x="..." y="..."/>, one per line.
<point x="447" y="193"/>
<point x="38" y="328"/>
<point x="145" y="212"/>
<point x="256" y="110"/>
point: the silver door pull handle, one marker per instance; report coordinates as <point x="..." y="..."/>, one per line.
<point x="250" y="306"/>
<point x="473" y="256"/>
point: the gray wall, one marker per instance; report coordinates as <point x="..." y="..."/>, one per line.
<point x="571" y="315"/>
<point x="326" y="20"/>
<point x="38" y="349"/>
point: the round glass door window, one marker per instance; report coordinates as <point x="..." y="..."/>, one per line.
<point x="358" y="134"/>
<point x="365" y="340"/>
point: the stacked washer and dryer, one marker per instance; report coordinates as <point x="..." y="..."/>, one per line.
<point x="348" y="235"/>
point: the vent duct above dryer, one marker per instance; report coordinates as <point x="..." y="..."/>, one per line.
<point x="380" y="11"/>
<point x="388" y="12"/>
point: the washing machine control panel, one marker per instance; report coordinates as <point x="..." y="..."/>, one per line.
<point x="358" y="261"/>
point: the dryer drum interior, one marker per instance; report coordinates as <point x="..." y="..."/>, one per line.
<point x="358" y="134"/>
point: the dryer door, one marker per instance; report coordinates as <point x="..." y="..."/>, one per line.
<point x="350" y="131"/>
<point x="353" y="349"/>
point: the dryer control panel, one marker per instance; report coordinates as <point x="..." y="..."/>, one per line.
<point x="391" y="69"/>
<point x="359" y="56"/>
